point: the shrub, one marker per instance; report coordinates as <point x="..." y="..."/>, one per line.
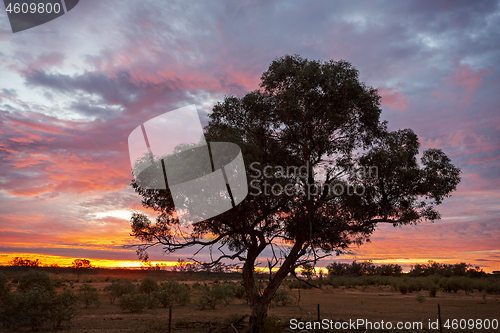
<point x="36" y="279"/>
<point x="403" y="288"/>
<point x="297" y="284"/>
<point x="165" y="297"/>
<point x="118" y="289"/>
<point x="32" y="308"/>
<point x="36" y="306"/>
<point x="88" y="295"/>
<point x="492" y="287"/>
<point x="420" y="298"/>
<point x="467" y="285"/>
<point x="240" y="292"/>
<point x="214" y="295"/>
<point x="282" y="297"/>
<point x="64" y="308"/>
<point x="4" y="287"/>
<point x="133" y="302"/>
<point x="272" y="324"/>
<point x="148" y="286"/>
<point x="173" y="292"/>
<point x="433" y="290"/>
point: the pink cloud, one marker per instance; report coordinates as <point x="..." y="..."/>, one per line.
<point x="463" y="78"/>
<point x="394" y="99"/>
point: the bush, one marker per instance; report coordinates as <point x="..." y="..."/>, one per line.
<point x="118" y="289"/>
<point x="403" y="288"/>
<point x="36" y="279"/>
<point x="282" y="297"/>
<point x="4" y="287"/>
<point x="433" y="290"/>
<point x="420" y="298"/>
<point x="88" y="295"/>
<point x="173" y="292"/>
<point x="240" y="292"/>
<point x="218" y="293"/>
<point x="64" y="308"/>
<point x="36" y="306"/>
<point x="148" y="286"/>
<point x="297" y="284"/>
<point x="272" y="324"/>
<point x="32" y="308"/>
<point x="467" y="285"/>
<point x="134" y="302"/>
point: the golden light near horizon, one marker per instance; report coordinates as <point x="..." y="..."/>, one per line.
<point x="61" y="261"/>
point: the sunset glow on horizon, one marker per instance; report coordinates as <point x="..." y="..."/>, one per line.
<point x="73" y="89"/>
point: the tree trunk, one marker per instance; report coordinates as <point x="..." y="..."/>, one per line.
<point x="259" y="314"/>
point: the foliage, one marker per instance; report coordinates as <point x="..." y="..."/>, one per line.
<point x="119" y="288"/>
<point x="148" y="286"/>
<point x="272" y="324"/>
<point x="36" y="279"/>
<point x="23" y="262"/>
<point x="63" y="308"/>
<point x="364" y="268"/>
<point x="81" y="263"/>
<point x="433" y="288"/>
<point x="308" y="271"/>
<point x="37" y="303"/>
<point x="446" y="270"/>
<point x="218" y="293"/>
<point x="282" y="297"/>
<point x="4" y="287"/>
<point x="298" y="284"/>
<point x="319" y="116"/>
<point x="134" y="302"/>
<point x="173" y="292"/>
<point x="403" y="288"/>
<point x="88" y="295"/>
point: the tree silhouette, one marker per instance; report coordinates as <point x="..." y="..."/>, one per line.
<point x="323" y="172"/>
<point x="80" y="265"/>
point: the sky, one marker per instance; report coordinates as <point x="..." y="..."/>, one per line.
<point x="73" y="89"/>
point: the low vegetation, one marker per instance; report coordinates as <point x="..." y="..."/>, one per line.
<point x="36" y="300"/>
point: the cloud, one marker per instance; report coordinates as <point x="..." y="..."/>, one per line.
<point x="467" y="80"/>
<point x="394" y="99"/>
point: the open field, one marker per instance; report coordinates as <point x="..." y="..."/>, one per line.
<point x="371" y="302"/>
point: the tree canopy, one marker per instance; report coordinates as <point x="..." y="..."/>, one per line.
<point x="323" y="171"/>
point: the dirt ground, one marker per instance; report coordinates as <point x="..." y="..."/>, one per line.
<point x="373" y="304"/>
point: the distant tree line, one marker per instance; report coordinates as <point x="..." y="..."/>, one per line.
<point x="364" y="268"/>
<point x="446" y="270"/>
<point x="431" y="268"/>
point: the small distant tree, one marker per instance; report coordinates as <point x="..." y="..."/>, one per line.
<point x="148" y="286"/>
<point x="184" y="266"/>
<point x="118" y="289"/>
<point x="308" y="271"/>
<point x="23" y="262"/>
<point x="173" y="292"/>
<point x="64" y="308"/>
<point x="80" y="265"/>
<point x="88" y="295"/>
